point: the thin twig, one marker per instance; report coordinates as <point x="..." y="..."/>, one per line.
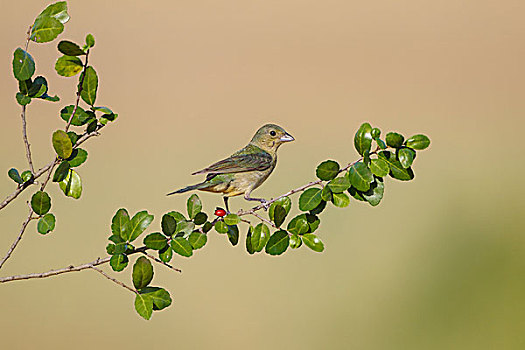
<point x="79" y="91"/>
<point x="160" y="261"/>
<point x="264" y="219"/>
<point x="26" y="141"/>
<point x="114" y="280"/>
<point x="18" y="238"/>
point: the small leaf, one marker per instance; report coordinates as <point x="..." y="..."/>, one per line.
<point x="418" y="142"/>
<point x="41" y="202"/>
<point x="194" y="206"/>
<point x="339" y="184"/>
<point x="68" y="66"/>
<point x="155" y="241"/>
<point x="313" y="242"/>
<point x="379" y="167"/>
<point x="376" y="133"/>
<point x="200" y="218"/>
<point x="181" y="246"/>
<point x="319" y="209"/>
<point x="313" y="222"/>
<point x="310" y="199"/>
<point x="197" y="239"/>
<point x="168" y="224"/>
<point x="23" y="65"/>
<point x="144" y="306"/>
<point x="396" y="169"/>
<point x="119" y="262"/>
<point x="279" y="215"/>
<point x="249" y="246"/>
<point x="298" y="225"/>
<point x="327" y="170"/>
<point x="160" y="297"/>
<point x="139" y="223"/>
<point x="185" y="227"/>
<point x="27" y="176"/>
<point x="142" y="273"/>
<point x="38" y="87"/>
<point x="73" y="137"/>
<point x="77" y="157"/>
<point x="207" y="227"/>
<point x="104" y="110"/>
<point x="90" y="40"/>
<point x="62" y="172"/>
<point x="166" y="254"/>
<point x="22" y="100"/>
<point x="284" y="202"/>
<point x="177" y="216"/>
<point x="15" y="176"/>
<point x="69" y="48"/>
<point x="89" y="86"/>
<point x="71" y="185"/>
<point x="295" y="241"/>
<point x="46" y="223"/>
<point x="363" y="138"/>
<point x="374" y="195"/>
<point x="233" y="234"/>
<point x="46" y="29"/>
<point x="278" y="243"/>
<point x="92" y="126"/>
<point x="232" y="219"/>
<point x="121" y="224"/>
<point x="406" y="157"/>
<point x="58" y="10"/>
<point x="260" y="236"/>
<point x="341" y="200"/>
<point x="326" y="194"/>
<point x="360" y="176"/>
<point x="62" y="144"/>
<point x="393" y="139"/>
<point x="221" y="227"/>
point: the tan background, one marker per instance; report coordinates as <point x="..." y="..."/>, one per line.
<point x="440" y="264"/>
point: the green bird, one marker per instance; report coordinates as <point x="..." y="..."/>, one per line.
<point x="245" y="170"/>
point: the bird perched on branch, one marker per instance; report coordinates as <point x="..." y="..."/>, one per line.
<point x="245" y="170"/>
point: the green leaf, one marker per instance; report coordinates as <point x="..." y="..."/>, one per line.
<point x="284" y="202"/>
<point x="356" y="194"/>
<point x="38" y="87"/>
<point x="104" y="110"/>
<point x="78" y="156"/>
<point x="27" y="176"/>
<point x="207" y="227"/>
<point x="233" y="234"/>
<point x="313" y="222"/>
<point x="41" y="202"/>
<point x="46" y="29"/>
<point x="374" y="195"/>
<point x="73" y="137"/>
<point x="197" y="239"/>
<point x="181" y="247"/>
<point x="326" y="194"/>
<point x="376" y="133"/>
<point x="406" y="157"/>
<point x="194" y="206"/>
<point x="160" y="297"/>
<point x="185" y="227"/>
<point x="363" y="138"/>
<point x="50" y="98"/>
<point x="313" y="242"/>
<point x="327" y="170"/>
<point x="279" y="215"/>
<point x="379" y="167"/>
<point x="396" y="169"/>
<point x="62" y="144"/>
<point x="116" y="239"/>
<point x="68" y="66"/>
<point x="15" y="176"/>
<point x="57" y="10"/>
<point x="89" y="86"/>
<point x="381" y="143"/>
<point x="418" y="142"/>
<point x="62" y="172"/>
<point x="360" y="176"/>
<point x="168" y="224"/>
<point x="341" y="200"/>
<point x="144" y="306"/>
<point x="319" y="209"/>
<point x="121" y="224"/>
<point x="24" y="86"/>
<point x="22" y="100"/>
<point x="166" y="254"/>
<point x="71" y="185"/>
<point x="249" y="246"/>
<point x="278" y="243"/>
<point x="92" y="126"/>
<point x="155" y="241"/>
<point x="110" y="249"/>
<point x="393" y="139"/>
<point x="310" y="199"/>
<point x="142" y="273"/>
<point x="46" y="223"/>
<point x="232" y="219"/>
<point x="139" y="223"/>
<point x="339" y="184"/>
<point x="295" y="241"/>
<point x="23" y="65"/>
<point x="260" y="236"/>
<point x="119" y="262"/>
<point x="177" y="216"/>
<point x="221" y="227"/>
<point x="90" y="40"/>
<point x="200" y="218"/>
<point x="298" y="225"/>
<point x="69" y="48"/>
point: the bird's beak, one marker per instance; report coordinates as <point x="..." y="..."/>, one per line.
<point x="287" y="138"/>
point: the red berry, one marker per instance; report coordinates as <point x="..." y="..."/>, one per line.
<point x="220" y="212"/>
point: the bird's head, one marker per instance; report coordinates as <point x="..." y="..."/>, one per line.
<point x="270" y="136"/>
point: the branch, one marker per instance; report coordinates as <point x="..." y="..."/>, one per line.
<point x="114" y="280"/>
<point x="26" y="141"/>
<point x="79" y="91"/>
<point x="160" y="261"/>
<point x="17" y="240"/>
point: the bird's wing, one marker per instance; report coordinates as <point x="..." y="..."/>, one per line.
<point x="242" y="161"/>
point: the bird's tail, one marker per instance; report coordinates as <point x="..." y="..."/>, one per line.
<point x="190" y="188"/>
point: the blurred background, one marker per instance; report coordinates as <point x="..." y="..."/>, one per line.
<point x="440" y="264"/>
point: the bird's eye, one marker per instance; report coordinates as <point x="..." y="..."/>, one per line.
<point x="273" y="133"/>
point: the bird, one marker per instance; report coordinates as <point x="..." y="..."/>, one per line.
<point x="246" y="169"/>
